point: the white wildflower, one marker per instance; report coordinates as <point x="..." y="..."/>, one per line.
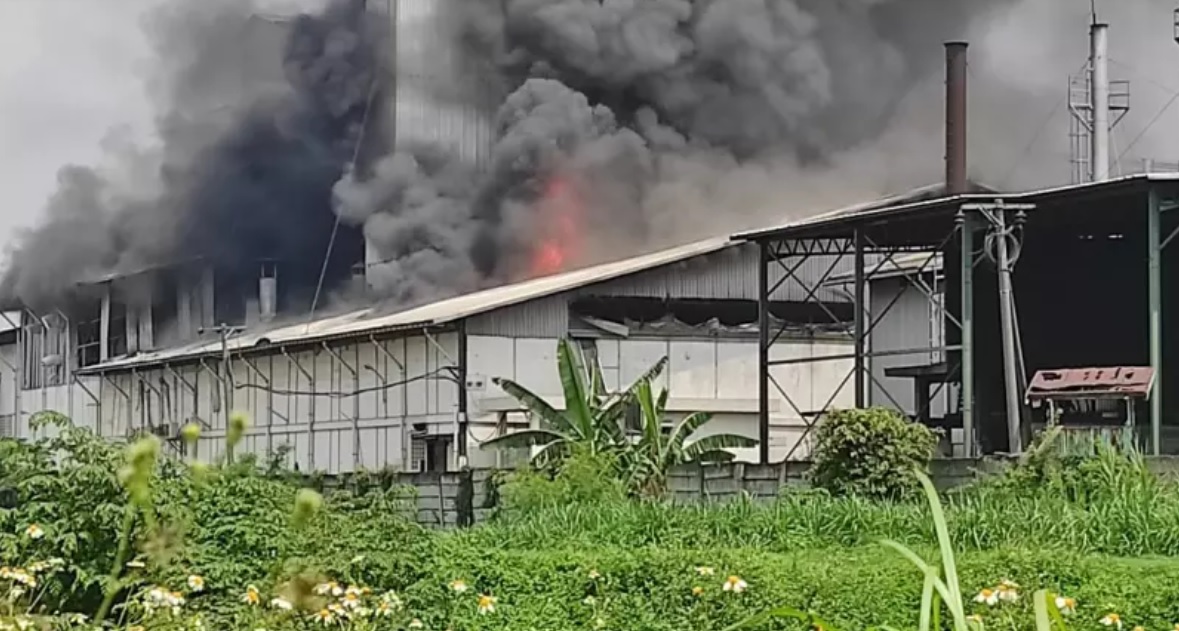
<point x="735" y="584"/>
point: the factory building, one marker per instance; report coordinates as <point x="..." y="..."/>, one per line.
<point x="414" y="389"/>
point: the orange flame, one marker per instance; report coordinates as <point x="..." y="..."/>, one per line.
<point x="560" y="213"/>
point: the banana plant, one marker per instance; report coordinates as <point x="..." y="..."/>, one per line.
<point x="659" y="448"/>
<point x="592" y="418"/>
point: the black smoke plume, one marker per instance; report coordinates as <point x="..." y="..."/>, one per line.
<point x="261" y="117"/>
<point x="652" y="109"/>
<point x="589" y="129"/>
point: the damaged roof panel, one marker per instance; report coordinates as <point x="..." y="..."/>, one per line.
<point x="374" y="320"/>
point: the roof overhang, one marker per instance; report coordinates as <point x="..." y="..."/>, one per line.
<point x="839" y="223"/>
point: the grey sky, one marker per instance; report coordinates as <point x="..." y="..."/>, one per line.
<point x="70" y="72"/>
<point x="71" y="77"/>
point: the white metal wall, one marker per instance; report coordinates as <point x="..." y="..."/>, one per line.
<point x="288" y="406"/>
<point x="352" y="405"/>
<point x="716" y="376"/>
<point x="911" y="322"/>
<point x="72" y="401"/>
<point x="436" y="102"/>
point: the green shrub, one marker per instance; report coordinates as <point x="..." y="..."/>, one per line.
<point x="584" y="478"/>
<point x="870" y="452"/>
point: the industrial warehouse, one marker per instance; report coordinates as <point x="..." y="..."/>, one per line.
<point x="882" y="303"/>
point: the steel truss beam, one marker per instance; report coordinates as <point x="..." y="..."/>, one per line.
<point x="789" y="256"/>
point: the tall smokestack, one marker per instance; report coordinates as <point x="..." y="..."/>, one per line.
<point x="956" y="117"/>
<point x="1099" y="92"/>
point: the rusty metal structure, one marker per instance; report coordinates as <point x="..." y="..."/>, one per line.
<point x="1088" y="290"/>
<point x="1084" y="399"/>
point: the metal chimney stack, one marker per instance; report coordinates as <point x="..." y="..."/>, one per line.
<point x="268" y="291"/>
<point x="1099" y="93"/>
<point x="956" y="117"/>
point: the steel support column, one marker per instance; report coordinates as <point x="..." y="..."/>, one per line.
<point x="966" y="230"/>
<point x="763" y="353"/>
<point x="461" y="377"/>
<point x="860" y="335"/>
<point x="1155" y="283"/>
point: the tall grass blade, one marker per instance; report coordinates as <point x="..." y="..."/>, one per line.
<point x="1043" y="622"/>
<point x="927" y="605"/>
<point x="954" y="600"/>
<point x="928" y="570"/>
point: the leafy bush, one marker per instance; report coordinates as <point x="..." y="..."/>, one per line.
<point x="870" y="453"/>
<point x="584" y="478"/>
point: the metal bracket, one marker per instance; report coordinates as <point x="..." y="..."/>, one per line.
<point x="441" y="349"/>
<point x="384" y="351"/>
<point x="89" y="393"/>
<point x="179" y="377"/>
<point x="114" y="385"/>
<point x="340" y="359"/>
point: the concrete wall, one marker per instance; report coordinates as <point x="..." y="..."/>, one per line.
<point x="438" y="500"/>
<point x="450" y="499"/>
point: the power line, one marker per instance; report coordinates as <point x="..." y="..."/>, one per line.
<point x="1031" y="143"/>
<point x="1154" y="120"/>
<point x="1145" y="77"/>
<point x="368" y="104"/>
<point x="343" y="395"/>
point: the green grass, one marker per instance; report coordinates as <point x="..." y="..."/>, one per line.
<point x="1098" y="530"/>
<point x="1124" y="524"/>
<point x="853" y="588"/>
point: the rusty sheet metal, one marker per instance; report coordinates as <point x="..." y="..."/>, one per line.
<point x="1092" y="383"/>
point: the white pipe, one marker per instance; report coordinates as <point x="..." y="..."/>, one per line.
<point x="1099" y="92"/>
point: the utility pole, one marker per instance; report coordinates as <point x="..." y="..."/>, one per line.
<point x="1003" y="237"/>
<point x="225" y="331"/>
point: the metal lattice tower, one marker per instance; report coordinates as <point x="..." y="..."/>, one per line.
<point x="1084" y="105"/>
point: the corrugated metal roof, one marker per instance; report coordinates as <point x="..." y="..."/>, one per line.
<point x="377" y="320"/>
<point x="9" y="321"/>
<point x="913" y="202"/>
<point x="898" y="265"/>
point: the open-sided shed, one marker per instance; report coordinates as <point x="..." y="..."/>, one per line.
<point x="1088" y="265"/>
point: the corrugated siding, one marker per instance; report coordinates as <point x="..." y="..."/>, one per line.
<point x="428" y="65"/>
<point x="907" y="324"/>
<point x="730" y="274"/>
<point x="311" y="401"/>
<point x="546" y="317"/>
